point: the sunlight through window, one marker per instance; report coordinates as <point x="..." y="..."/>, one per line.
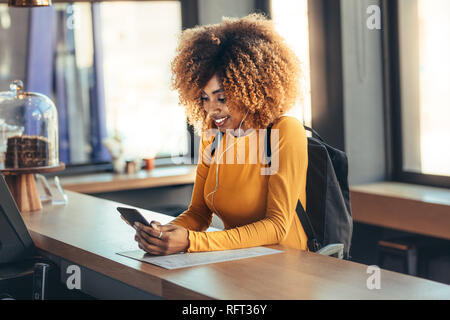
<point x="136" y="59"/>
<point x="291" y="21"/>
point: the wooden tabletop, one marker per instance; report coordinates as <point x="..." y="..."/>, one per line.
<point x="89" y="232"/>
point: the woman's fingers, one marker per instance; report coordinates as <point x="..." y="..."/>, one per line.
<point x="173" y="239"/>
<point x="150" y="248"/>
<point x="156" y="223"/>
<point x="149" y="239"/>
<point x="153" y="230"/>
<point x="161" y="239"/>
<point x="147" y="247"/>
<point x="152" y="239"/>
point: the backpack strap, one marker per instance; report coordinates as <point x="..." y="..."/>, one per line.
<point x="313" y="243"/>
<point x="267" y="144"/>
<point x="314" y="133"/>
<point x="215" y="142"/>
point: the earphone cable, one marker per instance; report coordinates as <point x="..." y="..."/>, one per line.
<point x="218" y="159"/>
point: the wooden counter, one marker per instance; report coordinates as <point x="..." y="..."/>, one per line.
<point x="89" y="232"/>
<point x="108" y="182"/>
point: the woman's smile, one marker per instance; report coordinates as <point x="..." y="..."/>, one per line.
<point x="221" y="121"/>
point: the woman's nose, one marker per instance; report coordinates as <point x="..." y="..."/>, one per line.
<point x="213" y="107"/>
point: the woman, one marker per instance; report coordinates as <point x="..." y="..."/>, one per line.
<point x="236" y="76"/>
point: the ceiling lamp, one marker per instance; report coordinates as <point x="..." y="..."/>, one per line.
<point x="29" y="3"/>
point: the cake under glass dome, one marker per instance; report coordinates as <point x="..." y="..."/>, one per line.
<point x="28" y="129"/>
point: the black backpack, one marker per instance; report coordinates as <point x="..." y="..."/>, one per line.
<point x="328" y="218"/>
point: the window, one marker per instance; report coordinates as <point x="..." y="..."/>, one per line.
<point x="291" y="21"/>
<point x="112" y="79"/>
<point x="136" y="63"/>
<point x="74" y="84"/>
<point x="13" y="41"/>
<point x="424" y="91"/>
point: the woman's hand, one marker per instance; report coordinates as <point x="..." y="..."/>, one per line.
<point x="161" y="239"/>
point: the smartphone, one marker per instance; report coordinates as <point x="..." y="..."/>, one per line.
<point x="132" y="216"/>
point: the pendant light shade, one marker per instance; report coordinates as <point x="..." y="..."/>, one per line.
<point x="29" y="3"/>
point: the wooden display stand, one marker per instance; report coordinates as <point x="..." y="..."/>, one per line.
<point x="22" y="184"/>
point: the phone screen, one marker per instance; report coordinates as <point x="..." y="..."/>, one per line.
<point x="132" y="216"/>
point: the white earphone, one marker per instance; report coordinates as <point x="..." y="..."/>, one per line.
<point x="219" y="158"/>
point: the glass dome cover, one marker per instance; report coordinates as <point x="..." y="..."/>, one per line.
<point x="28" y="129"/>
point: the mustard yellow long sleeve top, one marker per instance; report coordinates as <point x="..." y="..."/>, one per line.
<point x="256" y="209"/>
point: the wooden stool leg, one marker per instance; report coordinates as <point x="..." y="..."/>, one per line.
<point x="24" y="191"/>
<point x="411" y="262"/>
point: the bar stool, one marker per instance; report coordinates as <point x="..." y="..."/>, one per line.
<point x="392" y="253"/>
<point x="410" y="254"/>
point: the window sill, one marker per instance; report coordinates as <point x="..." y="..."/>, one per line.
<point x="94" y="168"/>
<point x="407" y="207"/>
<point x="162" y="175"/>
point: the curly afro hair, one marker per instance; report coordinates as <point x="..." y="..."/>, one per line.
<point x="259" y="72"/>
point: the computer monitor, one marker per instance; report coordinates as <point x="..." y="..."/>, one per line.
<point x="15" y="240"/>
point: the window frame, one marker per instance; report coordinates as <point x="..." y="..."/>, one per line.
<point x="326" y="71"/>
<point x="190" y="19"/>
<point x="393" y="114"/>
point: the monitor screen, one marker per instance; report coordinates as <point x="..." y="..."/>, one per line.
<point x="15" y="240"/>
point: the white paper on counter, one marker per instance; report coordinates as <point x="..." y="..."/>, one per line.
<point x="183" y="260"/>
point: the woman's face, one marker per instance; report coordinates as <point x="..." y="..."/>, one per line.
<point x="213" y="100"/>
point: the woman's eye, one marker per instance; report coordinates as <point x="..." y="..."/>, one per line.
<point x="221" y="100"/>
<point x="203" y="98"/>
